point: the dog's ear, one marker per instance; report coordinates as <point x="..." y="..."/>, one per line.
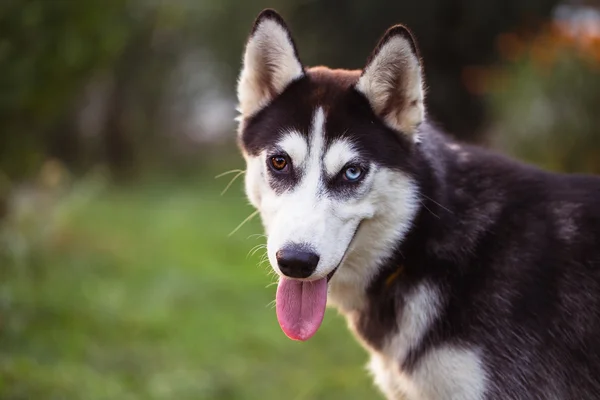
<point x="270" y="63"/>
<point x="392" y="81"/>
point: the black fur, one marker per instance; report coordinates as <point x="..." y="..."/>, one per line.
<point x="348" y="115"/>
<point x="513" y="250"/>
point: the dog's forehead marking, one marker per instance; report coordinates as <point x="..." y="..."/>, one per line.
<point x="294" y="144"/>
<point x="317" y="134"/>
<point x="339" y="153"/>
<point x="312" y="176"/>
<point x="311" y="153"/>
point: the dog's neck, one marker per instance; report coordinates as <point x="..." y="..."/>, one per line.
<point x="396" y="291"/>
<point x="382" y="241"/>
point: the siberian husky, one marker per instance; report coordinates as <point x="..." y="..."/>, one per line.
<point x="466" y="275"/>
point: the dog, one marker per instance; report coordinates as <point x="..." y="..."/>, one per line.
<point x="465" y="274"/>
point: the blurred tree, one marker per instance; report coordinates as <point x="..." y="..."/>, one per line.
<point x="51" y="50"/>
<point x="118" y="144"/>
<point x="48" y="50"/>
<point x="452" y="35"/>
<point x="546" y="98"/>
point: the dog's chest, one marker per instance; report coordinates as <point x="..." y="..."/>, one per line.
<point x="389" y="379"/>
<point x="443" y="372"/>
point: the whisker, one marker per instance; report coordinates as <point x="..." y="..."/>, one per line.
<point x="248" y="218"/>
<point x="427" y="208"/>
<point x="271" y="272"/>
<point x="427" y="197"/>
<point x="231" y="182"/>
<point x="265" y="252"/>
<point x="271" y="304"/>
<point x="264" y="259"/>
<point x="266" y="266"/>
<point x="228" y="172"/>
<point x="264" y="247"/>
<point x="256" y="248"/>
<point x="268" y="270"/>
<point x="256" y="235"/>
<point x="271" y="284"/>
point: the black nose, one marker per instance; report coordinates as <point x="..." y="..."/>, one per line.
<point x="297" y="261"/>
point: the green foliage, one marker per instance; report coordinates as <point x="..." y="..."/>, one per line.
<point x="52" y="46"/>
<point x="546" y="113"/>
<point x="139" y="293"/>
<point x="48" y="50"/>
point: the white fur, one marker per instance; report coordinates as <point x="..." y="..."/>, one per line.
<point x="445" y="373"/>
<point x="294" y="144"/>
<point x="422" y="307"/>
<point x="303" y="214"/>
<point x="383" y="210"/>
<point x="256" y="185"/>
<point x="386" y="205"/>
<point x="388" y="378"/>
<point x="269" y="55"/>
<point x="394" y="75"/>
<point x="339" y="154"/>
<point x="451" y="373"/>
<point x="394" y="199"/>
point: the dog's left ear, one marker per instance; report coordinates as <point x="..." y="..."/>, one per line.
<point x="392" y="81"/>
<point x="271" y="63"/>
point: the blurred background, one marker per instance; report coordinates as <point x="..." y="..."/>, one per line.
<point x="119" y="278"/>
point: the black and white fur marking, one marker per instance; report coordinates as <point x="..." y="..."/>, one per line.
<point x="466" y="275"/>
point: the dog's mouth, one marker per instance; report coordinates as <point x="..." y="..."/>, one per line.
<point x="300" y="305"/>
<point x="330" y="275"/>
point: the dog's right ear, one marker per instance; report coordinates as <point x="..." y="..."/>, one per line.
<point x="271" y="63"/>
<point x="392" y="81"/>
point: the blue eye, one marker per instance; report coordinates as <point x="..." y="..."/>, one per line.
<point x="353" y="173"/>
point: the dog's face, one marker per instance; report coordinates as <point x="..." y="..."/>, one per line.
<point x="329" y="167"/>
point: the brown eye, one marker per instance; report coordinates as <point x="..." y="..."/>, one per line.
<point x="278" y="163"/>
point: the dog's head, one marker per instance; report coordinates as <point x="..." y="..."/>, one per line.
<point x="328" y="156"/>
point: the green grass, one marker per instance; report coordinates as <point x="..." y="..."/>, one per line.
<point x="141" y="294"/>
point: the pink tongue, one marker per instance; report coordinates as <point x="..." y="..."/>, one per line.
<point x="300" y="307"/>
